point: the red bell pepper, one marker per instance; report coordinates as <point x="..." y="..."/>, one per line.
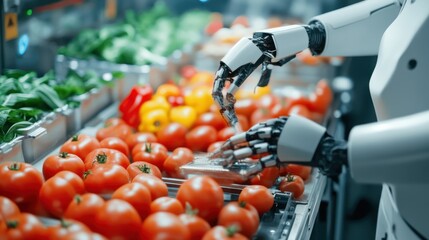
<point x="129" y="107"/>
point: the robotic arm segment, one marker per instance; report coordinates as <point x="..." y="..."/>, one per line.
<point x="356" y="30"/>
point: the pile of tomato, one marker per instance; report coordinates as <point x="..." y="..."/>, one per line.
<point x="110" y="186"/>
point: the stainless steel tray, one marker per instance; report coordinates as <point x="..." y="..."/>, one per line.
<point x="91" y="103"/>
<point x="44" y="136"/>
<point x="12" y="151"/>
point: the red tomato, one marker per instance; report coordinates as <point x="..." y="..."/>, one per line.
<point x="293" y="184"/>
<point x="260" y="115"/>
<point x="117" y="144"/>
<point x="27" y="227"/>
<point x="178" y="158"/>
<point x="83" y="208"/>
<point x="117" y="219"/>
<point x="121" y="131"/>
<point x="7" y="208"/>
<point x="106" y="178"/>
<point x="137" y="195"/>
<point x="153" y="153"/>
<point x="140" y="137"/>
<point x="204" y="194"/>
<point x="103" y="156"/>
<point x="322" y="97"/>
<point x="58" y="191"/>
<point x="214" y="146"/>
<point x="303" y="171"/>
<point x="221" y="232"/>
<point x="245" y="107"/>
<point x="83" y="236"/>
<point x="155" y="185"/>
<point x="267" y="101"/>
<point x="242" y="215"/>
<point x="65" y="227"/>
<point x="285" y="104"/>
<point x="172" y="136"/>
<point x="300" y="110"/>
<point x="167" y="204"/>
<point x="20" y="182"/>
<point x="258" y="196"/>
<point x="196" y="225"/>
<point x="63" y="161"/>
<point x="225" y="134"/>
<point x="137" y="168"/>
<point x="164" y="225"/>
<point x="200" y="138"/>
<point x="266" y="178"/>
<point x="80" y="145"/>
<point x="114" y="122"/>
<point x="211" y="119"/>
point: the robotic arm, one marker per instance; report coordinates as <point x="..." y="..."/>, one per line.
<point x="350" y="31"/>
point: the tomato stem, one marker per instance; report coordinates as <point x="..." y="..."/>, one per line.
<point x="148" y="147"/>
<point x="290" y="177"/>
<point x="78" y="198"/>
<point x="86" y="174"/>
<point x="242" y="204"/>
<point x="65" y="224"/>
<point x="231" y="230"/>
<point x="75" y="138"/>
<point x="101" y="158"/>
<point x="144" y="168"/>
<point x="12" y="224"/>
<point x="63" y="154"/>
<point x="15" y="166"/>
<point x="189" y="210"/>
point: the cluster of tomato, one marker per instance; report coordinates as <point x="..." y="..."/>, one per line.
<point x="110" y="185"/>
<point x="140" y="209"/>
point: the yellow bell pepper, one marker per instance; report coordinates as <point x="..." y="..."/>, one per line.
<point x="166" y="90"/>
<point x="202" y="78"/>
<point x="252" y="93"/>
<point x="184" y="115"/>
<point x="153" y="120"/>
<point x="200" y="98"/>
<point x="156" y="102"/>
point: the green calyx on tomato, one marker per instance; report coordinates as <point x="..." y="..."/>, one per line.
<point x="231" y="230"/>
<point x="14" y="167"/>
<point x="290" y="178"/>
<point x="63" y="154"/>
<point x="65" y="224"/>
<point x="86" y="173"/>
<point x="75" y="138"/>
<point x="148" y="147"/>
<point x="242" y="204"/>
<point x="189" y="210"/>
<point x="78" y="199"/>
<point x="12" y="224"/>
<point x="101" y="158"/>
<point x="144" y="168"/>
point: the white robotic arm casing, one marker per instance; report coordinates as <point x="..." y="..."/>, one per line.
<point x="246" y="49"/>
<point x="288" y="40"/>
<point x="356" y="30"/>
<point x="299" y="139"/>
